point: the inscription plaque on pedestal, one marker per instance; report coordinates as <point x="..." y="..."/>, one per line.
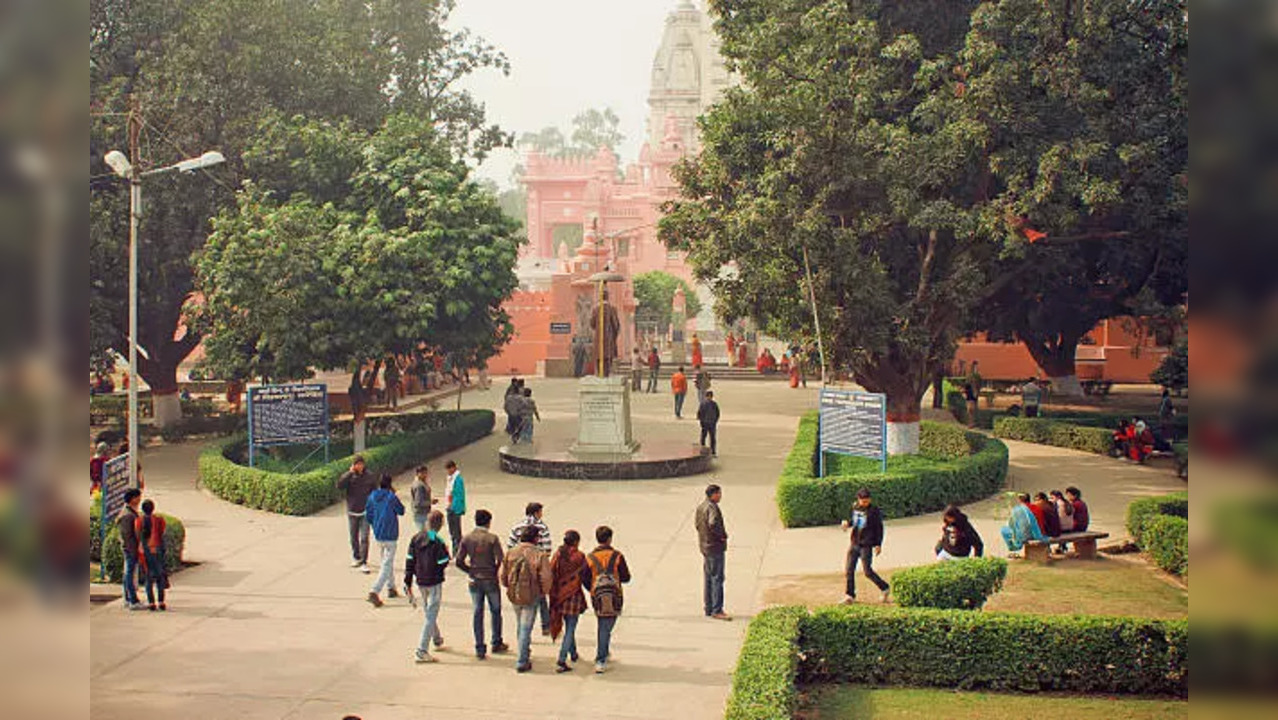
<point x="604" y="417"/>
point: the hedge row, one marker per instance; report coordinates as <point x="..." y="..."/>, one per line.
<point x="1160" y="526"/>
<point x="112" y="559"/>
<point x="962" y="584"/>
<point x="995" y="651"/>
<point x="1046" y="431"/>
<point x="910" y="488"/>
<point x="763" y="683"/>
<point x="305" y="493"/>
<point x="880" y="645"/>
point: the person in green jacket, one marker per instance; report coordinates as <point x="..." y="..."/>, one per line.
<point x="455" y="501"/>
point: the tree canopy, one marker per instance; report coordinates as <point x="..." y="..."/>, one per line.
<point x="654" y="296"/>
<point x="354" y="245"/>
<point x="592" y="129"/>
<point x="206" y="76"/>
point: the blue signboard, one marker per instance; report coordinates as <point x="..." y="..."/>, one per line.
<point x="115" y="481"/>
<point x="287" y="415"/>
<point x="853" y="423"/>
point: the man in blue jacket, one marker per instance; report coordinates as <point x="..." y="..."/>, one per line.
<point x="384" y="509"/>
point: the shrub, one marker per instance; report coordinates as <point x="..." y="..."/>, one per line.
<point x="960" y="584"/>
<point x="763" y="683"/>
<point x="1141" y="512"/>
<point x="954" y="400"/>
<point x="1167" y="541"/>
<point x="1173" y="371"/>
<point x="994" y="651"/>
<point x="1054" y="432"/>
<point x="912" y="485"/>
<point x="305" y="493"/>
<point x="112" y="553"/>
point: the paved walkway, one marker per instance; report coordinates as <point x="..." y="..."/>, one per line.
<point x="272" y="623"/>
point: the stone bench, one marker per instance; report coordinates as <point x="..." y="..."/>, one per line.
<point x="1084" y="545"/>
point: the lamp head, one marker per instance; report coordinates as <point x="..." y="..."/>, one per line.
<point x="118" y="163"/>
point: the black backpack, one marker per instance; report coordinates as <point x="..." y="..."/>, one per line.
<point x="605" y="596"/>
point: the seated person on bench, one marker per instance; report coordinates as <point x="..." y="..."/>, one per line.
<point x="1021" y="526"/>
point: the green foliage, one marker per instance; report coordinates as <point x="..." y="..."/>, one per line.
<point x="763" y="683"/>
<point x="110" y="552"/>
<point x="1141" y="512"/>
<point x="654" y="293"/>
<point x="1167" y="541"/>
<point x="955" y="402"/>
<point x="302" y="494"/>
<point x="995" y="651"/>
<point x="961" y="584"/>
<point x="1173" y="371"/>
<point x="382" y="241"/>
<point x="592" y="129"/>
<point x="912" y="485"/>
<point x="1052" y="432"/>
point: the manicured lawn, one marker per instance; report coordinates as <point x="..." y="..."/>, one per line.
<point x="1105" y="586"/>
<point x="850" y="702"/>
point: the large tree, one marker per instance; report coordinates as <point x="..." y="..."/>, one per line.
<point x="654" y="296"/>
<point x="203" y="76"/>
<point x="845" y="151"/>
<point x="592" y="129"/>
<point x="1088" y="108"/>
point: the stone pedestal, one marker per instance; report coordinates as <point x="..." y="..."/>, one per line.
<point x="604" y="417"/>
<point x="678" y="353"/>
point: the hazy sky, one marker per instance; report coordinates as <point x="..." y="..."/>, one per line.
<point x="565" y="56"/>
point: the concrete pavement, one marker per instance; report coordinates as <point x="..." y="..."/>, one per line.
<point x="272" y="623"/>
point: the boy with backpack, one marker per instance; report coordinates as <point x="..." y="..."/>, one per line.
<point x="525" y="573"/>
<point x="603" y="576"/>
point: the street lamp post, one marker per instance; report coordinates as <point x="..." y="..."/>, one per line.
<point x="129" y="171"/>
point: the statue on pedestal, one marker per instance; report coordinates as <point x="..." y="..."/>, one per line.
<point x="611" y="326"/>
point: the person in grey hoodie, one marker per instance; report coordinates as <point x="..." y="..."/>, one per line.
<point x="357" y="483"/>
<point x="420" y="495"/>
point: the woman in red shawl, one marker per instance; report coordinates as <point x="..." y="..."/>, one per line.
<point x="732" y="349"/>
<point x="697" y="359"/>
<point x="567" y="602"/>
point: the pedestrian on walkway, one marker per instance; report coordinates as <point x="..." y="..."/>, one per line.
<point x="526" y="576"/>
<point x="126" y="523"/>
<point x="96" y="463"/>
<point x="637" y="365"/>
<point x="383" y="511"/>
<point x="712" y="537"/>
<point x="533" y="513"/>
<point x="527" y="413"/>
<point x="511" y="404"/>
<point x="420" y="494"/>
<point x="654" y="367"/>
<point x="697" y="357"/>
<point x="480" y="557"/>
<point x="150" y="530"/>
<point x="679" y="386"/>
<point x="357" y="483"/>
<point x="567" y="602"/>
<point x="701" y="379"/>
<point x="455" y="501"/>
<point x="708" y="416"/>
<point x="390" y="375"/>
<point x="425" y="564"/>
<point x="605" y="572"/>
<point x="866" y="523"/>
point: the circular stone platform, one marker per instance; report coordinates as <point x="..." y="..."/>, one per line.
<point x="652" y="460"/>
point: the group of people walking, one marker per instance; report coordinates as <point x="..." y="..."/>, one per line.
<point x="521" y="411"/>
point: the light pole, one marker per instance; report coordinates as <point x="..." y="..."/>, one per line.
<point x="129" y="171"/>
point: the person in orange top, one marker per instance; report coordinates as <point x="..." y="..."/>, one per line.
<point x="696" y="350"/>
<point x="732" y="349"/>
<point x="679" y="386"/>
<point x="150" y="528"/>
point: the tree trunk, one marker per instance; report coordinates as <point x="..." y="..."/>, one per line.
<point x="160" y="375"/>
<point x="359" y="434"/>
<point x="904" y="388"/>
<point x="1055" y="355"/>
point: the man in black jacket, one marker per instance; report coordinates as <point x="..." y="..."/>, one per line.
<point x="357" y="483"/>
<point x="425" y="564"/>
<point x="708" y="415"/>
<point x="867" y="541"/>
<point x="712" y="538"/>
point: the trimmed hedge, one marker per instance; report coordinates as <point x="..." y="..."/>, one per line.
<point x="763" y="683"/>
<point x="1160" y="526"/>
<point x="111" y="554"/>
<point x="962" y="584"/>
<point x="1045" y="431"/>
<point x="913" y="487"/>
<point x="995" y="651"/>
<point x="305" y="493"/>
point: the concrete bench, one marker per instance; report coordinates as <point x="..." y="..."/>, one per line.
<point x="1084" y="545"/>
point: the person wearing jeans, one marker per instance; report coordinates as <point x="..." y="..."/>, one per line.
<point x="679" y="387"/>
<point x="455" y="501"/>
<point x="526" y="576"/>
<point x="867" y="541"/>
<point x="383" y="511"/>
<point x="708" y="416"/>
<point x="357" y="484"/>
<point x="525" y="617"/>
<point x="480" y="556"/>
<point x="126" y="522"/>
<point x="712" y="539"/>
<point x="603" y="576"/>
<point x="150" y="528"/>
<point x="426" y="561"/>
<point x="567" y="602"/>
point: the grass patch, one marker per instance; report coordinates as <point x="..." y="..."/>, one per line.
<point x="1105" y="586"/>
<point x="851" y="702"/>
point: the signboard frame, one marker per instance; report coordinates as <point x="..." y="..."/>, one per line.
<point x="323" y="438"/>
<point x="856" y="397"/>
<point x="113" y="483"/>
<point x="560" y="328"/>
